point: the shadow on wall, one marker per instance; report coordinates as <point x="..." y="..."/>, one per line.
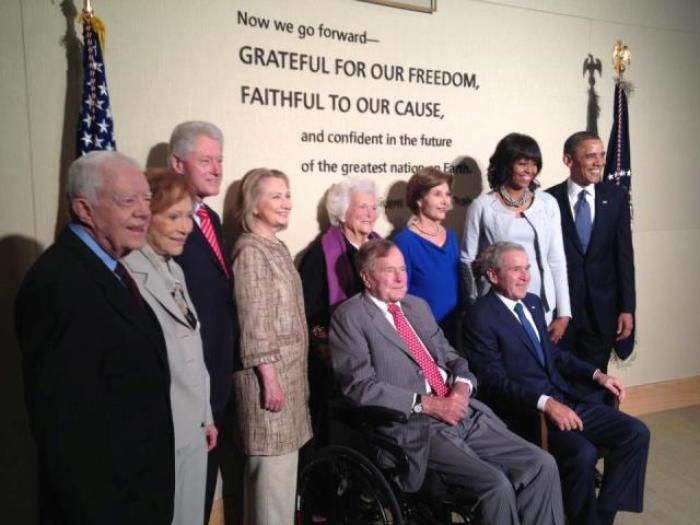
<point x="158" y="157"/>
<point x="18" y="501"/>
<point x="395" y="209"/>
<point x="324" y="223"/>
<point x="71" y="107"/>
<point x="230" y="222"/>
<point x="466" y="186"/>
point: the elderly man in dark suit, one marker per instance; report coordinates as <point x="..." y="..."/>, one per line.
<point x="388" y="351"/>
<point x="595" y="219"/>
<point x="520" y="370"/>
<point x="95" y="365"/>
<point x="196" y="153"/>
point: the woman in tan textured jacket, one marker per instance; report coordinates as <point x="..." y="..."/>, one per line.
<point x="271" y="390"/>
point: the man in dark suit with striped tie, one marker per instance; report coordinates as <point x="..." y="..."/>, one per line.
<point x="595" y="221"/>
<point x="196" y="153"/>
<point x="520" y="371"/>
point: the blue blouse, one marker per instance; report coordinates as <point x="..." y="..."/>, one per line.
<point x="433" y="271"/>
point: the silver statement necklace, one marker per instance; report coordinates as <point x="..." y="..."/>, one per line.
<point x="510" y="201"/>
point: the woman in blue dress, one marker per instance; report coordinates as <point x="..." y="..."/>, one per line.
<point x="430" y="250"/>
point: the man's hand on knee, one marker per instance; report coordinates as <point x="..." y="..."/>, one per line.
<point x="562" y="416"/>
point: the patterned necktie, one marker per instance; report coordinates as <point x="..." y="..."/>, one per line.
<point x="129" y="282"/>
<point x="181" y="302"/>
<point x="530" y="332"/>
<point x="208" y="232"/>
<point x="430" y="369"/>
<point x="583" y="220"/>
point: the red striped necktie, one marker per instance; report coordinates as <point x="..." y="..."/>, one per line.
<point x="208" y="232"/>
<point x="419" y="352"/>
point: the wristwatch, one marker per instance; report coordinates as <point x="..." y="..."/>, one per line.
<point x="418" y="406"/>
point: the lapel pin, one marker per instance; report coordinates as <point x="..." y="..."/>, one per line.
<point x="604" y="202"/>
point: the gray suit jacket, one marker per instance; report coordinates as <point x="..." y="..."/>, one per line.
<point x="374" y="367"/>
<point x="189" y="385"/>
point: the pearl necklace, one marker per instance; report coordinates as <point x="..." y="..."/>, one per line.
<point x="510" y="201"/>
<point x="438" y="229"/>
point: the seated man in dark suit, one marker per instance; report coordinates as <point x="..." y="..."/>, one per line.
<point x="520" y="370"/>
<point x="95" y="366"/>
<point x="388" y="351"/>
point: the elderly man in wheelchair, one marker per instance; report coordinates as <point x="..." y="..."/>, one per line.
<point x="390" y="357"/>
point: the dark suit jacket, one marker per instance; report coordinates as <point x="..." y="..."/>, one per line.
<point x="510" y="376"/>
<point x="97" y="387"/>
<point x="602" y="279"/>
<point x="374" y="367"/>
<point x="212" y="294"/>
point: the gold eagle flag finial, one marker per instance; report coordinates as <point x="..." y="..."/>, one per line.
<point x="621" y="58"/>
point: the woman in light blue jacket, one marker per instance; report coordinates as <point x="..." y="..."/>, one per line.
<point x="516" y="210"/>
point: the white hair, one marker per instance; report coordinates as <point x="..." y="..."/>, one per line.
<point x="186" y="133"/>
<point x="338" y="197"/>
<point x="86" y="174"/>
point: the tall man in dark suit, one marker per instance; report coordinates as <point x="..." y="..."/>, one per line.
<point x="196" y="153"/>
<point x="595" y="220"/>
<point x="520" y="370"/>
<point x="94" y="359"/>
<point x="388" y="351"/>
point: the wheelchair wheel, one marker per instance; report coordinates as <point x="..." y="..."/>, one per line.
<point x="340" y="486"/>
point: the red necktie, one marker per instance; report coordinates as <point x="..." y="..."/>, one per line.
<point x="208" y="232"/>
<point x="129" y="282"/>
<point x="420" y="353"/>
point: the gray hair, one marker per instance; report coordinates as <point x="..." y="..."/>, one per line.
<point x="492" y="256"/>
<point x="370" y="251"/>
<point x="86" y="174"/>
<point x="186" y="133"/>
<point x="340" y="194"/>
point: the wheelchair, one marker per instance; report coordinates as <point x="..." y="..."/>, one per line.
<point x="341" y="482"/>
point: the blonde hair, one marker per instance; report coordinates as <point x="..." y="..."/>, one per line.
<point x="250" y="193"/>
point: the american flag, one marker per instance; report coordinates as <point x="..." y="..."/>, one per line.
<point x="618" y="167"/>
<point x="96" y="128"/>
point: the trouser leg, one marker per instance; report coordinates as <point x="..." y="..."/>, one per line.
<point x="270" y="489"/>
<point x="190" y="481"/>
<point x="512" y="480"/>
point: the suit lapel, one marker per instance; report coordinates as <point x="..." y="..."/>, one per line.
<point x="117" y="295"/>
<point x="602" y="214"/>
<point x="148" y="280"/>
<point x="567" y="219"/>
<point x="507" y="318"/>
<point x="384" y="327"/>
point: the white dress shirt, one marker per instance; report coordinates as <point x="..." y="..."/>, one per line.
<point x="573" y="190"/>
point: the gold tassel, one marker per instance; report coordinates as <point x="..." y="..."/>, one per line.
<point x="97" y="26"/>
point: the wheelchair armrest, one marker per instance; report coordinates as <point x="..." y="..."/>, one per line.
<point x="372" y="416"/>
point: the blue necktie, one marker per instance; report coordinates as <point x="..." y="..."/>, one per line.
<point x="530" y="331"/>
<point x="583" y="220"/>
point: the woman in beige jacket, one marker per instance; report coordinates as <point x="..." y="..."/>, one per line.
<point x="271" y="390"/>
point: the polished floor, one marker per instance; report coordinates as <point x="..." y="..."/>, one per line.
<point x="672" y="495"/>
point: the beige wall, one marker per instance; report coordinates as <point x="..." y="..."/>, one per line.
<point x="168" y="61"/>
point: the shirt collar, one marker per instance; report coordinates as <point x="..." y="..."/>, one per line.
<point x="91" y="243"/>
<point x="510" y="304"/>
<point x="384" y="307"/>
<point x="574" y="189"/>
